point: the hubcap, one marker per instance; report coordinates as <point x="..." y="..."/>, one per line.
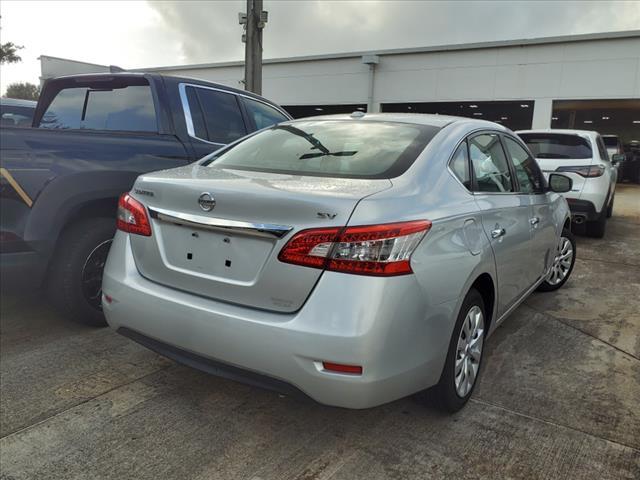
<point x="92" y="274"/>
<point x="469" y="351"/>
<point x="562" y="262"/>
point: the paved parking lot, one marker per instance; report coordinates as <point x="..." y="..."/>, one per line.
<point x="559" y="398"/>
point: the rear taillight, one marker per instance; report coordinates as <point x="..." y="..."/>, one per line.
<point x="585" y="171"/>
<point x="382" y="250"/>
<point x="132" y="216"/>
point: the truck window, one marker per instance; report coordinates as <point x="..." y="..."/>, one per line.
<point x="262" y="114"/>
<point x="215" y="115"/>
<point x="124" y="109"/>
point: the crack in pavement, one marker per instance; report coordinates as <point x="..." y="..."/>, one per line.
<point x="62" y="412"/>
<point x="549" y="422"/>
<point x="564" y="322"/>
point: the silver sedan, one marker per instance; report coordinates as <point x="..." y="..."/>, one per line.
<point x="357" y="259"/>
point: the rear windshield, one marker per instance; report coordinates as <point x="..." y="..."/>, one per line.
<point x="329" y="148"/>
<point x="557" y="145"/>
<point x="611" y="142"/>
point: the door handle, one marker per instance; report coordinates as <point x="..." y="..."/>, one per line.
<point x="498" y="232"/>
<point x="534" y="221"/>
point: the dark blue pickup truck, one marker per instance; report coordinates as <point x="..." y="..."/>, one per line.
<point x="91" y="136"/>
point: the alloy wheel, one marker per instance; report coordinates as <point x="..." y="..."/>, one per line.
<point x="562" y="262"/>
<point x="469" y="351"/>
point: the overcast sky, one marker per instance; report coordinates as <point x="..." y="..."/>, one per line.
<point x="148" y="34"/>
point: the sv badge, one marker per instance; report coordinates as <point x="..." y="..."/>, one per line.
<point x="330" y="216"/>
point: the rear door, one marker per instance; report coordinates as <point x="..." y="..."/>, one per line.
<point x="505" y="216"/>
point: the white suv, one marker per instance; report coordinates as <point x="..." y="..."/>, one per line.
<point x="581" y="155"/>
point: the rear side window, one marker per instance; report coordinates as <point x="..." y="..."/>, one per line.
<point x="215" y="115"/>
<point x="330" y="148"/>
<point x="460" y="165"/>
<point x="262" y="114"/>
<point x="126" y="109"/>
<point x="16" y="116"/>
<point x="557" y="145"/>
<point x="490" y="166"/>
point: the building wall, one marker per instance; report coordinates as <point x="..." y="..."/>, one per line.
<point x="587" y="68"/>
<point x="55" y="67"/>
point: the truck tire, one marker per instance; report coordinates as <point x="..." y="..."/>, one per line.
<point x="75" y="277"/>
<point x="597" y="227"/>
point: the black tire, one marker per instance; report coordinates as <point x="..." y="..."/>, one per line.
<point x="550" y="287"/>
<point x="610" y="207"/>
<point x="444" y="395"/>
<point x="597" y="228"/>
<point x="75" y="276"/>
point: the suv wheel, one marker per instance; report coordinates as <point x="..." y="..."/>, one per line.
<point x="563" y="263"/>
<point x="75" y="280"/>
<point x="610" y="207"/>
<point x="462" y="366"/>
<point x="597" y="227"/>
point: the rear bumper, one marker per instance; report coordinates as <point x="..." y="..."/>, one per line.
<point x="583" y="209"/>
<point x="401" y="343"/>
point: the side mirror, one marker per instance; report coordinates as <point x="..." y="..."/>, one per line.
<point x="617" y="158"/>
<point x="560" y="183"/>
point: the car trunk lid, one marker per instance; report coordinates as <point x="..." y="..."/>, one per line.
<point x="228" y="250"/>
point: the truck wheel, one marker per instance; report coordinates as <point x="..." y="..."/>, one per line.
<point x="597" y="228"/>
<point x="75" y="279"/>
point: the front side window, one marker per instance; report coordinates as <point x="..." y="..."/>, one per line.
<point x="262" y="114"/>
<point x="215" y="115"/>
<point x="527" y="172"/>
<point x="602" y="149"/>
<point x="489" y="163"/>
<point x="125" y="109"/>
<point x="460" y="165"/>
<point x="329" y="148"/>
<point x="557" y="145"/>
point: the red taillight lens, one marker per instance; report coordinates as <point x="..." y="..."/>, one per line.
<point x="132" y="216"/>
<point x="585" y="171"/>
<point x="382" y="250"/>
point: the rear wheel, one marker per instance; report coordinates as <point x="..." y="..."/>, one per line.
<point x="563" y="262"/>
<point x="75" y="280"/>
<point x="597" y="227"/>
<point x="610" y="207"/>
<point x="464" y="357"/>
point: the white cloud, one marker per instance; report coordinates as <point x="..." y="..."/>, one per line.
<point x="140" y="34"/>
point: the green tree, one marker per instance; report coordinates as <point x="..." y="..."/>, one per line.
<point x="24" y="91"/>
<point x="8" y="53"/>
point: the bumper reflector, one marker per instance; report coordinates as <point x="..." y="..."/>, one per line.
<point x="339" y="368"/>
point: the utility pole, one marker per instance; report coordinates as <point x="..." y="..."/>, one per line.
<point x="254" y="22"/>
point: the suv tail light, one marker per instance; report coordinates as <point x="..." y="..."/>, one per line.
<point x="586" y="171"/>
<point x="132" y="216"/>
<point x="380" y="250"/>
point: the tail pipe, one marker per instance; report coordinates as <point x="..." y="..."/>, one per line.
<point x="579" y="219"/>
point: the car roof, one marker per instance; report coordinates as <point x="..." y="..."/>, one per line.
<point x="433" y="120"/>
<point x="18" y="102"/>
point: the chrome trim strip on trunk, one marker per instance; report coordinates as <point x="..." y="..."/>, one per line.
<point x="220" y="224"/>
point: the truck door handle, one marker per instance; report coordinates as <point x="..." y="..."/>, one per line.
<point x="534" y="221"/>
<point x="498" y="232"/>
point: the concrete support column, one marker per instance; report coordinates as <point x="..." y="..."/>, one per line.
<point x="542" y="110"/>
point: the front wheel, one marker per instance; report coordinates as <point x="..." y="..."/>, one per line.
<point x="75" y="280"/>
<point x="464" y="357"/>
<point x="563" y="261"/>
